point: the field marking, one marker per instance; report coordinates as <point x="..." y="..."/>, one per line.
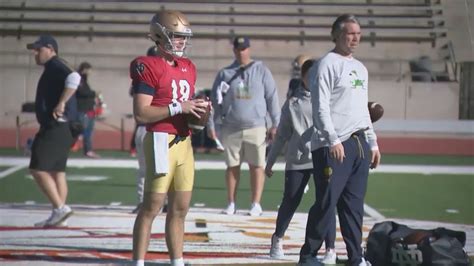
<point x="104" y="234"/>
<point x="224" y="239"/>
<point x="82" y="178"/>
<point x="11" y="170"/>
<point x="19" y="163"/>
<point x="425" y="169"/>
<point x="220" y="165"/>
<point x="371" y="212"/>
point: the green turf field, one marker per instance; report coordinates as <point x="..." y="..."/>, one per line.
<point x="447" y="198"/>
<point x="386" y="158"/>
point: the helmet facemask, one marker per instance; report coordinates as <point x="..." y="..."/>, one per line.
<point x="170" y="46"/>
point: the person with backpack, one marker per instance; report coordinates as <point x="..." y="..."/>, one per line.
<point x="242" y="95"/>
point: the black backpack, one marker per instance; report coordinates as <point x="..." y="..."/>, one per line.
<point x="390" y="243"/>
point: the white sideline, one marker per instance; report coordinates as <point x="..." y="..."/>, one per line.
<point x="219" y="165"/>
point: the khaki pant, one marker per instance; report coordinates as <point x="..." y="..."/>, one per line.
<point x="247" y="145"/>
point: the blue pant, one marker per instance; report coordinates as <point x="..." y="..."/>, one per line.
<point x="295" y="183"/>
<point x="342" y="185"/>
<point x="88" y="125"/>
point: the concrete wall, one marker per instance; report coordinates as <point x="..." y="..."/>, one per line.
<point x="110" y="58"/>
<point x="416" y="101"/>
<point x="459" y="19"/>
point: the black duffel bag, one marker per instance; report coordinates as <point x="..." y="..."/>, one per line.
<point x="390" y="243"/>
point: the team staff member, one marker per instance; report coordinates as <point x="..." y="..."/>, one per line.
<point x="295" y="129"/>
<point x="163" y="87"/>
<point x="344" y="144"/>
<point x="242" y="95"/>
<point x="55" y="106"/>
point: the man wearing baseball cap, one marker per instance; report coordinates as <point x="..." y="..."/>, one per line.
<point x="44" y="40"/>
<point x="242" y="95"/>
<point x="55" y="108"/>
<point x="241" y="43"/>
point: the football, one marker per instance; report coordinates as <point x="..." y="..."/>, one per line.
<point x="375" y="111"/>
<point x="416" y="237"/>
<point x="197" y="124"/>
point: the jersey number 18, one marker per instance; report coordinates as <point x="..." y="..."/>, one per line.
<point x="184" y="90"/>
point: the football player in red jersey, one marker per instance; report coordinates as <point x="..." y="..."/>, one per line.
<point x="163" y="87"/>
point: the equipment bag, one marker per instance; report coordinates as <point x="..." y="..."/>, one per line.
<point x="390" y="243"/>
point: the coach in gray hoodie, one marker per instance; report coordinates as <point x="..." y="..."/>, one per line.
<point x="241" y="95"/>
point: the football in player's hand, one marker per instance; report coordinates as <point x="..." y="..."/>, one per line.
<point x="375" y="111"/>
<point x="199" y="123"/>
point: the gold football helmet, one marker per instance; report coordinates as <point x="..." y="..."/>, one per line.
<point x="300" y="59"/>
<point x="298" y="63"/>
<point x="169" y="24"/>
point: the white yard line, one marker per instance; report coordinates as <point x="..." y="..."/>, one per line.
<point x="425" y="169"/>
<point x="220" y="165"/>
<point x="371" y="212"/>
<point x="11" y="170"/>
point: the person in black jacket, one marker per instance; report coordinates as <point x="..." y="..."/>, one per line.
<point x="85" y="106"/>
<point x="55" y="108"/>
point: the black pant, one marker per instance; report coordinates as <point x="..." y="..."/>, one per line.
<point x="342" y="185"/>
<point x="295" y="183"/>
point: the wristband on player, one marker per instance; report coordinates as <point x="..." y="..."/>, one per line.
<point x="174" y="109"/>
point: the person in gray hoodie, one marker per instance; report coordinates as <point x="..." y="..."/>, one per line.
<point x="241" y="95"/>
<point x="295" y="129"/>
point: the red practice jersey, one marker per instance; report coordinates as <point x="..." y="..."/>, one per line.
<point x="167" y="84"/>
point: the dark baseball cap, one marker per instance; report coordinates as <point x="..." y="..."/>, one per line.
<point x="43" y="41"/>
<point x="241" y="42"/>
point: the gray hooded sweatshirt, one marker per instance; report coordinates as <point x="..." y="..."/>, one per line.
<point x="249" y="97"/>
<point x="295" y="129"/>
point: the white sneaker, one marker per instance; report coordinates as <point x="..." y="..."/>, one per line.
<point x="62" y="224"/>
<point x="364" y="263"/>
<point x="43" y="223"/>
<point x="276" y="250"/>
<point x="255" y="209"/>
<point x="58" y="216"/>
<point x="230" y="210"/>
<point x="330" y="257"/>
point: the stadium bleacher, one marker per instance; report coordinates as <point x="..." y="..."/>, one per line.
<point x="111" y="34"/>
<point x="410" y="21"/>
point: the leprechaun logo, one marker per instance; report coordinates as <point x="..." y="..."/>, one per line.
<point x="327" y="172"/>
<point x="355" y="81"/>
